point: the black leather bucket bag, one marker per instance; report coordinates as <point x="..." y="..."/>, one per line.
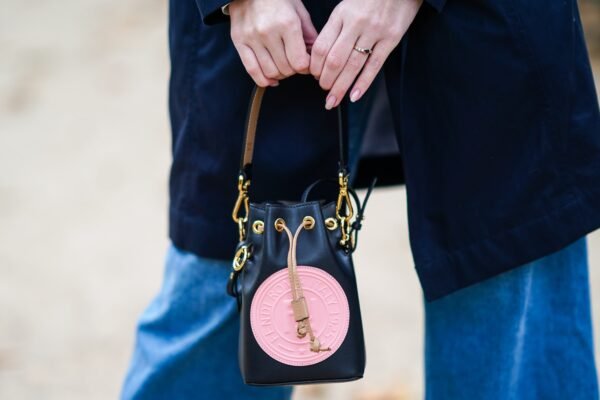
<point x="294" y="279"/>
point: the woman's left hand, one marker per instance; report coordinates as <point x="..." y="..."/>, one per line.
<point x="376" y="24"/>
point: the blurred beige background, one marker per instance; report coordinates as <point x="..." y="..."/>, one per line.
<point x="84" y="157"/>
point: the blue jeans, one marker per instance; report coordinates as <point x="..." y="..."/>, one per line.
<point x="187" y="339"/>
<point x="525" y="334"/>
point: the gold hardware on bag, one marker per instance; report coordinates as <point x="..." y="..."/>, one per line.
<point x="240" y="258"/>
<point x="344" y="204"/>
<point x="308" y="222"/>
<point x="279" y="224"/>
<point x="244" y="200"/>
<point x="258" y="226"/>
<point x="331" y="223"/>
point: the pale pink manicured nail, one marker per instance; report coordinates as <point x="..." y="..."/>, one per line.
<point x="355" y="95"/>
<point x="330" y="102"/>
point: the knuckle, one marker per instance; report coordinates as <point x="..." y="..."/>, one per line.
<point x="288" y="24"/>
<point x="355" y="63"/>
<point x="285" y="70"/>
<point x="299" y="63"/>
<point x="325" y="85"/>
<point x="393" y="33"/>
<point x="289" y="72"/>
<point x="361" y="19"/>
<point x="333" y="62"/>
<point x="259" y="79"/>
<point x="276" y="26"/>
<point x="319" y="50"/>
<point x="377" y="24"/>
<point x="252" y="70"/>
<point x="271" y="74"/>
<point x="261" y="33"/>
<point x="358" y="20"/>
<point x="263" y="29"/>
<point x="316" y="73"/>
<point x="295" y="27"/>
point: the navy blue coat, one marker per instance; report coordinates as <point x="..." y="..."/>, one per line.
<point x="494" y="112"/>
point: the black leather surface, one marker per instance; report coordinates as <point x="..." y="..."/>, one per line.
<point x="317" y="247"/>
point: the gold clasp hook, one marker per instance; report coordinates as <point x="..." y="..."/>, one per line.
<point x="244" y="200"/>
<point x="344" y="205"/>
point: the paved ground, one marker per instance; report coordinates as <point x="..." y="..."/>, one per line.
<point x="84" y="153"/>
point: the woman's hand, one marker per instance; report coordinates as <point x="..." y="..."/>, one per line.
<point x="272" y="37"/>
<point x="376" y="24"/>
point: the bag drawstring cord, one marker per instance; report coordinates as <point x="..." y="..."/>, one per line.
<point x="299" y="305"/>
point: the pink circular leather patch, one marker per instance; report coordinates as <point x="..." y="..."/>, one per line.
<point x="272" y="319"/>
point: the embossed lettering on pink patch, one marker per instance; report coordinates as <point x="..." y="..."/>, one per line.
<point x="272" y="319"/>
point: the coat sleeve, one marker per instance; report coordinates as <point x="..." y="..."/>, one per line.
<point x="210" y="11"/>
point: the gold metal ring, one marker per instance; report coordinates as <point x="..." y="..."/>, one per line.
<point x="363" y="50"/>
<point x="279" y="224"/>
<point x="331" y="223"/>
<point x="258" y="226"/>
<point x="240" y="258"/>
<point x="308" y="222"/>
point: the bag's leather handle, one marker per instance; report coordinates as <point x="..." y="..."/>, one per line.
<point x="250" y="135"/>
<point x="344" y="211"/>
<point x="251" y="123"/>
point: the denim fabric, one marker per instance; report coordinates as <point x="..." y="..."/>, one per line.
<point x="187" y="339"/>
<point x="526" y="334"/>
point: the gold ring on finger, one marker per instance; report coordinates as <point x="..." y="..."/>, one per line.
<point x="363" y="50"/>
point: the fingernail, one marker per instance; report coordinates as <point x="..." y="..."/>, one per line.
<point x="330" y="102"/>
<point x="274" y="84"/>
<point x="355" y="95"/>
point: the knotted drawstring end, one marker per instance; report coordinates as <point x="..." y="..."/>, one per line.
<point x="315" y="346"/>
<point x="301" y="330"/>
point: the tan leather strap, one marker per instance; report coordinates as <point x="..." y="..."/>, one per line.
<point x="250" y="133"/>
<point x="251" y="123"/>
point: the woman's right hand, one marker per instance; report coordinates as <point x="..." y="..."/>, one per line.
<point x="272" y="38"/>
